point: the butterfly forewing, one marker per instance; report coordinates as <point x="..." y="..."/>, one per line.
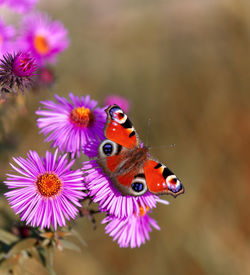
<point x="119" y="128"/>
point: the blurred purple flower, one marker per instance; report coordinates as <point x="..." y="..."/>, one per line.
<point x="21" y="6"/>
<point x="130" y="231"/>
<point x="71" y="126"/>
<point x="118" y="100"/>
<point x="45" y="190"/>
<point x="6" y="36"/>
<point x="45" y="77"/>
<point x="110" y="200"/>
<point x="24" y="65"/>
<point x="44" y="38"/>
<point x="17" y="70"/>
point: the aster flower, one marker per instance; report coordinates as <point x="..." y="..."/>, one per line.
<point x="118" y="100"/>
<point x="24" y="65"/>
<point x="91" y="148"/>
<point x="45" y="77"/>
<point x="21" y="6"/>
<point x="44" y="38"/>
<point x="130" y="231"/>
<point x="6" y="36"/>
<point x="17" y="70"/>
<point x="71" y="125"/>
<point x="109" y="198"/>
<point x="45" y="190"/>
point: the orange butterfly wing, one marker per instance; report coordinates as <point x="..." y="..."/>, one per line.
<point x="117" y="133"/>
<point x="160" y="180"/>
<point x="119" y="128"/>
<point x="124" y="181"/>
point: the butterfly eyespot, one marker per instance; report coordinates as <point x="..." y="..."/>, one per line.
<point x="108" y="148"/>
<point x="138" y="186"/>
<point x="173" y="184"/>
<point x="118" y="115"/>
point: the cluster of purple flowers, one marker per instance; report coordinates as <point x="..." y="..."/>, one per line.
<point x="38" y="39"/>
<point x="46" y="190"/>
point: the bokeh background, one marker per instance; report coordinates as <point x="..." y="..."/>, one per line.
<point x="185" y="65"/>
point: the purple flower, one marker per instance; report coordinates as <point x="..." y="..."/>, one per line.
<point x="45" y="77"/>
<point x="102" y="191"/>
<point x="24" y="65"/>
<point x="16" y="71"/>
<point x="118" y="100"/>
<point x="6" y="36"/>
<point x="44" y="38"/>
<point x="21" y="6"/>
<point x="130" y="231"/>
<point x="91" y="148"/>
<point x="45" y="190"/>
<point x="71" y="125"/>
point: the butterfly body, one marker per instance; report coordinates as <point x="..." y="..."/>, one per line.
<point x="132" y="160"/>
<point x="128" y="163"/>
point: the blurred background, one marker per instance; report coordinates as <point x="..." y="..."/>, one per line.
<point x="185" y="65"/>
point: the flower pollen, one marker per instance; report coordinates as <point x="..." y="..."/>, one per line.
<point x="41" y="44"/>
<point x="143" y="211"/>
<point x="48" y="184"/>
<point x="82" y="117"/>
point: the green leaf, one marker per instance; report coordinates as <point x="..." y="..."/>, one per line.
<point x="42" y="254"/>
<point x="34" y="253"/>
<point x="46" y="242"/>
<point x="69" y="245"/>
<point x="7" y="238"/>
<point x="78" y="236"/>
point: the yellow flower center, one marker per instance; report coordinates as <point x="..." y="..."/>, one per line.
<point x="82" y="117"/>
<point x="48" y="184"/>
<point x="41" y="44"/>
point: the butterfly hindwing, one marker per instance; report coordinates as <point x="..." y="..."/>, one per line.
<point x="119" y="128"/>
<point x="132" y="184"/>
<point x="113" y="159"/>
<point x="160" y="180"/>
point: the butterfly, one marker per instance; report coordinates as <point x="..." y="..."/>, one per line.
<point x="126" y="161"/>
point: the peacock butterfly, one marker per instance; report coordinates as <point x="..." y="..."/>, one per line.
<point x="127" y="162"/>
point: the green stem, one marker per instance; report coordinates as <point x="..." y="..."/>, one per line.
<point x="51" y="260"/>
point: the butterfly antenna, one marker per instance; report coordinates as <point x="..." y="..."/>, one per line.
<point x="163" y="146"/>
<point x="148" y="128"/>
